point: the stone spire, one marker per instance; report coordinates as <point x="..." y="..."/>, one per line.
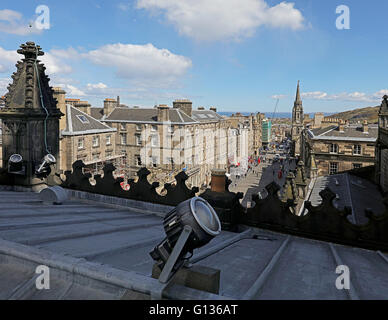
<point x="30" y="118"/>
<point x="298" y="100"/>
<point x="298" y="105"/>
<point x="30" y="90"/>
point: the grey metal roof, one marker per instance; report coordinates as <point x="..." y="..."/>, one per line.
<point x="352" y="191"/>
<point x="76" y="125"/>
<point x="146" y="115"/>
<point x="350" y="133"/>
<point x="96" y="251"/>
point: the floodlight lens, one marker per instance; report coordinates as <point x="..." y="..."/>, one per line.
<point x="15" y="158"/>
<point x="205" y="216"/>
<point x="49" y="158"/>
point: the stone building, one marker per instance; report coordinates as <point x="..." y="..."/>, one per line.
<point x="382" y="147"/>
<point x="297" y="123"/>
<point x="253" y="123"/>
<point x="340" y="148"/>
<point x="82" y="137"/>
<point x="167" y="140"/>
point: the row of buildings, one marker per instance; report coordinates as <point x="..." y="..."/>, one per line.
<point x="164" y="139"/>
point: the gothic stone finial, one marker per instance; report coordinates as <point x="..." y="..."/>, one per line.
<point x="30" y="51"/>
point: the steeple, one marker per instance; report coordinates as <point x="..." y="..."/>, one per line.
<point x="298" y="100"/>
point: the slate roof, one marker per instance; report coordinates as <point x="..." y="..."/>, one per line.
<point x="97" y="113"/>
<point x="146" y="115"/>
<point x="206" y="116"/>
<point x="351" y="133"/>
<point x="96" y="251"/>
<point x="352" y="191"/>
<point x="75" y="125"/>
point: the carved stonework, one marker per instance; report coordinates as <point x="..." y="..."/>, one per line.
<point x="141" y="190"/>
<point x="30" y="115"/>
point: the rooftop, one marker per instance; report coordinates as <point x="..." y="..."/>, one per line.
<point x="98" y="251"/>
<point x="78" y="122"/>
<point x="350" y="132"/>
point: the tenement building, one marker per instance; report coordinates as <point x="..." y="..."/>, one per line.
<point x="167" y="140"/>
<point x="297" y="123"/>
<point x="340" y="148"/>
<point x="82" y="137"/>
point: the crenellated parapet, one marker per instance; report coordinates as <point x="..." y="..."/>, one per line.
<point x="141" y="190"/>
<point x="324" y="222"/>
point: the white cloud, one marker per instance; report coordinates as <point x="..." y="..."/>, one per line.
<point x="71" y="90"/>
<point x="12" y="22"/>
<point x="142" y="64"/>
<point x="99" y="85"/>
<point x="123" y="6"/>
<point x="54" y="61"/>
<point x="381" y="93"/>
<point x="4" y="82"/>
<point x="345" y="96"/>
<point x="211" y="20"/>
<point x="279" y="96"/>
<point x="8" y="60"/>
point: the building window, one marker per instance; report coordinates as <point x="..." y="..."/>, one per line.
<point x="96" y="141"/>
<point x="123" y="138"/>
<point x="81" y="142"/>
<point x="333" y="148"/>
<point x="154" y="161"/>
<point x="154" y="140"/>
<point x="333" y="168"/>
<point x="357" y="165"/>
<point x="154" y="128"/>
<point x="96" y="156"/>
<point x="108" y="154"/>
<point x="138" y="139"/>
<point x="170" y="129"/>
<point x="357" y="149"/>
<point x="108" y="140"/>
<point x="123" y="126"/>
<point x="138" y="160"/>
<point x="138" y="127"/>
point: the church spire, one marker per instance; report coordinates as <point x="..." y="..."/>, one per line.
<point x="298" y="99"/>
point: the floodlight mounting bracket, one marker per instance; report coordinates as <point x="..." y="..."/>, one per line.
<point x="168" y="271"/>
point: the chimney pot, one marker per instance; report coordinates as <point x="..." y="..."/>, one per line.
<point x="218" y="180"/>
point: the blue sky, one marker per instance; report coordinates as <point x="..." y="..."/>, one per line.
<point x="237" y="55"/>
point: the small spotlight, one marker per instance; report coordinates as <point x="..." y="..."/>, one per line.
<point x="15" y="164"/>
<point x="191" y="225"/>
<point x="48" y="160"/>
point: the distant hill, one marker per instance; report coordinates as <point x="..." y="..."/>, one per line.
<point x="369" y="113"/>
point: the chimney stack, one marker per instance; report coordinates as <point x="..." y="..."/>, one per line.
<point x="84" y="106"/>
<point x="185" y="105"/>
<point x="341" y="126"/>
<point x="60" y="95"/>
<point x="163" y="113"/>
<point x="365" y="128"/>
<point x="213" y="109"/>
<point x="109" y="105"/>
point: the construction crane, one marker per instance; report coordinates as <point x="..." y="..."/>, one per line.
<point x="276" y="106"/>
